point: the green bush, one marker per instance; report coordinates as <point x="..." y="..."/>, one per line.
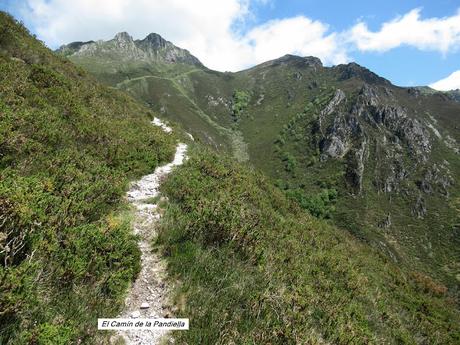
<point x="290" y="162"/>
<point x="320" y="205"/>
<point x="240" y="101"/>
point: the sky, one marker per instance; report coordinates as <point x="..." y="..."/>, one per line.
<point x="408" y="42"/>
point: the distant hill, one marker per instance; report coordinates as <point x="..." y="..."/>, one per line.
<point x="452" y="94"/>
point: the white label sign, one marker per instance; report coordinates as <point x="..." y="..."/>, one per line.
<point x="142" y="324"/>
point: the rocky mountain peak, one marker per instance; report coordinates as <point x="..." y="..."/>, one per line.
<point x="71" y="48"/>
<point x="293" y="60"/>
<point x="310" y="61"/>
<point x="155" y="41"/>
<point x="123" y="37"/>
<point x="353" y="70"/>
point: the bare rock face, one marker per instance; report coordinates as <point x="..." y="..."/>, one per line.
<point x="123" y="37"/>
<point x="331" y="107"/>
<point x="409" y="130"/>
<point x="355" y="167"/>
<point x="156" y="47"/>
<point x="73" y="47"/>
<point x="454" y="95"/>
<point x="338" y="139"/>
<point x="372" y="125"/>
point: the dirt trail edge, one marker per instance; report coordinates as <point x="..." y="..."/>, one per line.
<point x="148" y="295"/>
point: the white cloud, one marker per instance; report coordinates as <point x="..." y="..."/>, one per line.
<point x="435" y="34"/>
<point x="452" y="82"/>
<point x="205" y="27"/>
<point x="298" y="35"/>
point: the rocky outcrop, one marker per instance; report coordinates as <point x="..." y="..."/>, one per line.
<point x="385" y="223"/>
<point x="297" y="76"/>
<point x="454" y="95"/>
<point x="351" y="128"/>
<point x="436" y="179"/>
<point x="452" y="144"/>
<point x="339" y="96"/>
<point x="156" y="47"/>
<point x="394" y="120"/>
<point x="73" y="47"/>
<point x="337" y="137"/>
<point x="355" y="167"/>
<point x="409" y="130"/>
<point x="395" y="176"/>
<point x="419" y="209"/>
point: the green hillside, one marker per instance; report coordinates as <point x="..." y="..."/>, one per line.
<point x="68" y="148"/>
<point x="254" y="268"/>
<point x="378" y="160"/>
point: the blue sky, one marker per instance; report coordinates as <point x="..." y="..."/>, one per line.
<point x="408" y="42"/>
<point x="405" y="66"/>
<point x="342" y="14"/>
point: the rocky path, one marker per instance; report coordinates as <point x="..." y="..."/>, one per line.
<point x="147" y="296"/>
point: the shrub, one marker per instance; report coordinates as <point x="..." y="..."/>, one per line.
<point x="240" y="101"/>
<point x="320" y="205"/>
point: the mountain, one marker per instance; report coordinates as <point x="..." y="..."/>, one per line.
<point x="123" y="56"/>
<point x="67" y="253"/>
<point x="247" y="261"/>
<point x="152" y="49"/>
<point x="379" y="160"/>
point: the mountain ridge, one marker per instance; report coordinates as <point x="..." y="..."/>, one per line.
<point x="156" y="42"/>
<point x="153" y="48"/>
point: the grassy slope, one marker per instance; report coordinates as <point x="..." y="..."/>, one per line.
<point x="170" y="89"/>
<point x="68" y="148"/>
<point x="255" y="269"/>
